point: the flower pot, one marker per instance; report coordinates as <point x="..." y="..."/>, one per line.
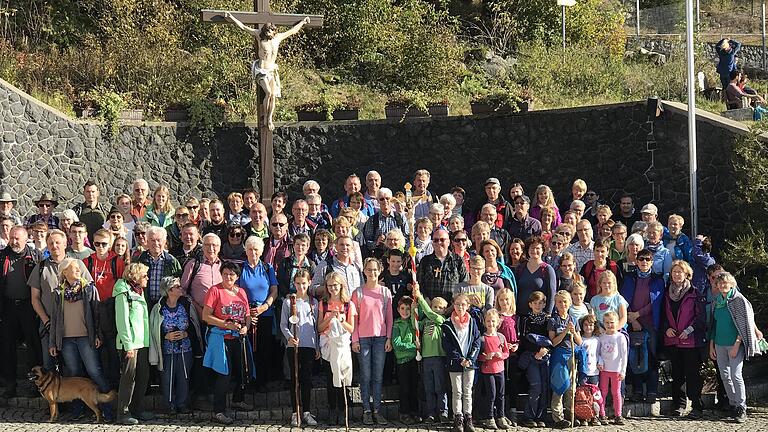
<point x="397" y="112"/>
<point x="339" y="114"/>
<point x="131" y="114"/>
<point x="441" y="110"/>
<point x="484" y="108"/>
<point x="175" y="115"/>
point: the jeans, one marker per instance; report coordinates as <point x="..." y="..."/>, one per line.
<point x="461" y="385"/>
<point x="371" y="356"/>
<point x="537" y="374"/>
<point x="77" y="351"/>
<point x="433" y="377"/>
<point x="174" y="379"/>
<point x="493" y="403"/>
<point x="408" y="380"/>
<point x="730" y="370"/>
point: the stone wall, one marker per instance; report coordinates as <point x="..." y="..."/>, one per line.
<point x="614" y="148"/>
<point x="749" y="56"/>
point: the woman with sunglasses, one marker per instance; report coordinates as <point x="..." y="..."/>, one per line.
<point x="139" y="239"/>
<point x="233" y="249"/>
<point x="460" y="245"/>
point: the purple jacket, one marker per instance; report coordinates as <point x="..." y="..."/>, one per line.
<point x="689" y="314"/>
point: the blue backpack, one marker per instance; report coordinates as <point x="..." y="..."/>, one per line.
<point x="638" y="351"/>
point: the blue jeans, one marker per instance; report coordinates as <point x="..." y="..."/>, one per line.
<point x="371" y="359"/>
<point x="174" y="380"/>
<point x="77" y="351"/>
<point x="436" y="395"/>
<point x="538" y="386"/>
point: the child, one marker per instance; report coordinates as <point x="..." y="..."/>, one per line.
<point x="612" y="363"/>
<point x="461" y="342"/>
<point x="591" y="346"/>
<point x="395" y="277"/>
<point x="372" y="338"/>
<point x="433" y="357"/>
<point x="534" y="358"/>
<point x="336" y="325"/>
<point x="301" y="337"/>
<point x="579" y="309"/>
<point x="609" y="300"/>
<point x="505" y="304"/>
<point x="592" y="269"/>
<point x="493" y="352"/>
<point x="405" y="344"/>
<point x="564" y="334"/>
<point x="480" y="294"/>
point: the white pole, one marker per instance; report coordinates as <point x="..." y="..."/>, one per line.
<point x="698" y="13"/>
<point x="762" y="28"/>
<point x="637" y="19"/>
<point x="691" y="116"/>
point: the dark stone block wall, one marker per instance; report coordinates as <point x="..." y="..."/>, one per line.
<point x="615" y="148"/>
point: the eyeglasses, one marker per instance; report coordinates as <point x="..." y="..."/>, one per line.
<point x="462" y="240"/>
<point x="644" y="259"/>
<point x="235" y="234"/>
<point x="41" y="205"/>
<point x="139" y="233"/>
<point x="115" y="216"/>
<point x="557" y="243"/>
<point x="191" y="207"/>
<point x="278" y="224"/>
<point x="100" y="244"/>
<point x="182" y="215"/>
<point x="385" y="198"/>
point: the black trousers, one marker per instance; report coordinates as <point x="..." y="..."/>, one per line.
<point x="235" y="377"/>
<point x="305" y="363"/>
<point x="408" y="380"/>
<point x="19" y="320"/>
<point x="267" y="350"/>
<point x="492" y="404"/>
<point x="110" y="361"/>
<point x="686" y="370"/>
<point x="335" y="395"/>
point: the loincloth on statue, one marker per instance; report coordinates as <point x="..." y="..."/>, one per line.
<point x="267" y="74"/>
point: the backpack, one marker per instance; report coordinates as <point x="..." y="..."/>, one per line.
<point x="195" y="271"/>
<point x="89" y="264"/>
<point x="638" y="352"/>
<point x="585" y="405"/>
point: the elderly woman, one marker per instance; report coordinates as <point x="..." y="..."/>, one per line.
<point x="235" y="214"/>
<point x="628" y="264"/>
<point x="456" y="223"/>
<point x="497" y="275"/>
<point x="423" y="239"/>
<point x="74" y="332"/>
<point x="662" y="257"/>
<point x="260" y="283"/>
<point x="733" y="339"/>
<point x="226" y="310"/>
<point x="132" y="321"/>
<point x="436" y="215"/>
<point x="160" y="212"/>
<point x="684" y="326"/>
<point x="175" y="340"/>
<point x="140" y="239"/>
<point x="393" y="240"/>
<point x="321" y="246"/>
<point x="449" y="203"/>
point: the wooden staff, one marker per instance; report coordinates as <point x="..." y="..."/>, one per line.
<point x="573" y="380"/>
<point x="294" y="320"/>
<point x="412" y="254"/>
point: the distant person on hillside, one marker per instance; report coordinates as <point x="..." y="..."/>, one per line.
<point x="734" y="95"/>
<point x="726" y="52"/>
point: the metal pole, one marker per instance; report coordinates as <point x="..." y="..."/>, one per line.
<point x="762" y="28"/>
<point x="637" y="19"/>
<point x="563" y="26"/>
<point x="691" y="117"/>
<point x="698" y="13"/>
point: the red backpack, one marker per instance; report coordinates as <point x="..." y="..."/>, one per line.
<point x="586" y="406"/>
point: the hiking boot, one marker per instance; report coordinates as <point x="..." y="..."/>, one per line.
<point x="430" y="419"/>
<point x="489" y="424"/>
<point x="444" y="419"/>
<point x="619" y="421"/>
<point x="127" y="420"/>
<point x="468" y="425"/>
<point x="222" y="418"/>
<point x="740" y="415"/>
<point x="562" y="424"/>
<point x="695" y="414"/>
<point x="379" y="418"/>
<point x="308" y="419"/>
<point x="528" y="424"/>
<point x="368" y="418"/>
<point x="458" y="423"/>
<point x="502" y="423"/>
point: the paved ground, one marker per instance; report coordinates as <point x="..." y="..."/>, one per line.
<point x="12" y="420"/>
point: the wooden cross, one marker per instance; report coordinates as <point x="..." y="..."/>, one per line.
<point x="262" y="15"/>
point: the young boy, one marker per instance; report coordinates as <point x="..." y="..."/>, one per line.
<point x="534" y="358"/>
<point x="433" y="358"/>
<point x="564" y="333"/>
<point x="395" y="277"/>
<point x="579" y="309"/>
<point x="405" y="344"/>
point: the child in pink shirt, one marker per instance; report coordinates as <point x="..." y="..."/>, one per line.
<point x="493" y="352"/>
<point x="612" y="364"/>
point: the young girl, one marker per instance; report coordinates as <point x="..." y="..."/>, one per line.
<point x="579" y="309"/>
<point x="534" y="358"/>
<point x="567" y="274"/>
<point x="505" y="304"/>
<point x="545" y="199"/>
<point x="609" y="300"/>
<point x="590" y="343"/>
<point x="372" y="338"/>
<point x="494" y="350"/>
<point x="461" y="343"/>
<point x="337" y="322"/>
<point x="480" y="294"/>
<point x="564" y="334"/>
<point x="301" y="337"/>
<point x="121" y="249"/>
<point x="612" y="363"/>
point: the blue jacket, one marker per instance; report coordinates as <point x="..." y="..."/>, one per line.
<point x="700" y="261"/>
<point x="216" y="353"/>
<point x="727" y="59"/>
<point x="453" y="355"/>
<point x="657" y="289"/>
<point x="662" y="259"/>
<point x="682" y="249"/>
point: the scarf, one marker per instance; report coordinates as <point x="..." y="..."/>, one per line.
<point x="677" y="291"/>
<point x="136" y="288"/>
<point x="721" y="301"/>
<point x="461" y="322"/>
<point x="644" y="275"/>
<point x="72" y="292"/>
<point x="653" y="248"/>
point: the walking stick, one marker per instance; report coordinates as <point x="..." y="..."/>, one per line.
<point x="346" y="406"/>
<point x="294" y="320"/>
<point x="170" y="381"/>
<point x="412" y="254"/>
<point x="573" y="380"/>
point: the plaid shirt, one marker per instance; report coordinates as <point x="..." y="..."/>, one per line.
<point x="53" y="221"/>
<point x="581" y="254"/>
<point x="441" y="278"/>
<point x="156" y="267"/>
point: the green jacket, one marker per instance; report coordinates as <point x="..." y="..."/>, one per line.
<point x="131" y="317"/>
<point x="431" y="331"/>
<point x="404" y="340"/>
<point x="151" y="216"/>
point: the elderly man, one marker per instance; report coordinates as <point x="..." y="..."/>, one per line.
<point x="372" y="186"/>
<point x="583" y="249"/>
<point x="442" y="270"/>
<point x="257" y="227"/>
<point x="341" y="263"/>
<point x="649" y="214"/>
<point x="578" y="207"/>
<point x="317" y="217"/>
<point x="382" y="222"/>
<point x="160" y="263"/>
<point x="91" y="212"/>
<point x="488" y="215"/>
<point x="43" y="279"/>
<point x="180" y="218"/>
<point x="310" y="187"/>
<point x="202" y="272"/>
<point x="18" y="315"/>
<point x="351" y="186"/>
<point x="278" y="245"/>
<point x="218" y="223"/>
<point x="299" y="225"/>
<point x="493" y="196"/>
<point x="521" y="225"/>
<point x="140" y="199"/>
<point x="6" y="208"/>
<point x="422" y="198"/>
<point x="45" y="206"/>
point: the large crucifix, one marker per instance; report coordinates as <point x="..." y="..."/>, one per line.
<point x="264" y="70"/>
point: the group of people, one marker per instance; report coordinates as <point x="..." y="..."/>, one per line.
<point x="565" y="303"/>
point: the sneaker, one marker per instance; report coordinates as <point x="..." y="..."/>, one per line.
<point x="368" y="418"/>
<point x="604" y="421"/>
<point x="294" y="420"/>
<point x="222" y="418"/>
<point x="468" y="424"/>
<point x="127" y="420"/>
<point x="502" y="423"/>
<point x="528" y="424"/>
<point x="430" y="419"/>
<point x="241" y="406"/>
<point x="541" y="424"/>
<point x="677" y="412"/>
<point x="406" y="419"/>
<point x="619" y="421"/>
<point x="379" y="419"/>
<point x="444" y="419"/>
<point x="146" y="416"/>
<point x="308" y="419"/>
<point x="695" y="414"/>
<point x="562" y="424"/>
<point x="594" y="422"/>
<point x="740" y="415"/>
<point x="489" y="424"/>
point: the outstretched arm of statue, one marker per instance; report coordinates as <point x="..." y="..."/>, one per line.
<point x="293" y="30"/>
<point x="231" y="18"/>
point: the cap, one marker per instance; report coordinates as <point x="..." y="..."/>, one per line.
<point x="650" y="208"/>
<point x="492" y="180"/>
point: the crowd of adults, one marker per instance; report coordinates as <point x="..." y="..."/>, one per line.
<point x="110" y="289"/>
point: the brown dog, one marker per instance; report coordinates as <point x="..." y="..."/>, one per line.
<point x="66" y="389"/>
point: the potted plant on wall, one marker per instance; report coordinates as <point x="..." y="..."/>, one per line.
<point x="503" y="100"/>
<point x="176" y="112"/>
<point x="412" y="103"/>
<point x="333" y="103"/>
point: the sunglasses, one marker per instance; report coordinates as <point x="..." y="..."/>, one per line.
<point x="462" y="240"/>
<point x="41" y="205"/>
<point x="116" y="216"/>
<point x="140" y="234"/>
<point x="100" y="244"/>
<point x="235" y="235"/>
<point x="182" y="215"/>
<point x="557" y="243"/>
<point x="193" y="207"/>
<point x="278" y="224"/>
<point x="644" y="259"/>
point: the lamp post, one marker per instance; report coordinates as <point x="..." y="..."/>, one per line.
<point x="692" y="163"/>
<point x="564" y="4"/>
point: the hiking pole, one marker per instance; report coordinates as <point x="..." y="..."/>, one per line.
<point x="346" y="406"/>
<point x="294" y="320"/>
<point x="572" y="366"/>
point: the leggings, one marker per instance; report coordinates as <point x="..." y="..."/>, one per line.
<point x="612" y="379"/>
<point x="306" y="362"/>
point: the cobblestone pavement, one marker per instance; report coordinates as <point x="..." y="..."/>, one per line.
<point x="12" y="420"/>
